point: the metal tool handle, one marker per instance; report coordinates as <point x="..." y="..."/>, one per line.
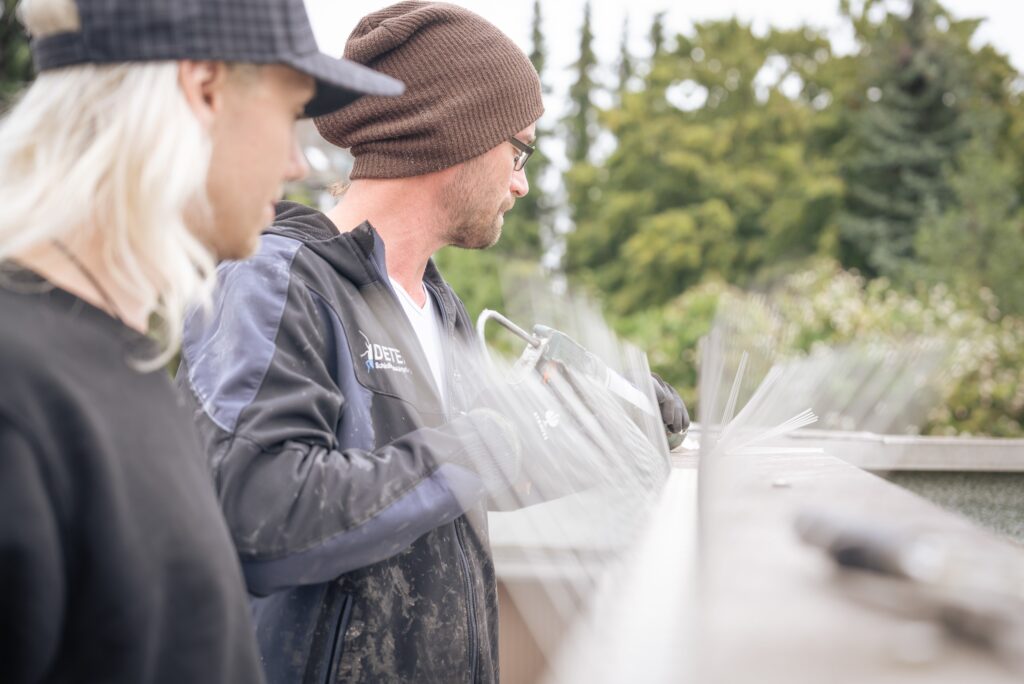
<point x="491" y="315"/>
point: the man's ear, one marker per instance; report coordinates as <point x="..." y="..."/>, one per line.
<point x="203" y="84"/>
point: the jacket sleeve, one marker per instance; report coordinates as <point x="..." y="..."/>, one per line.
<point x="31" y="565"/>
<point x="300" y="510"/>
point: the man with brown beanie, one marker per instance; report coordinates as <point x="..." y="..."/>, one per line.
<point x="346" y="481"/>
<point x="349" y="461"/>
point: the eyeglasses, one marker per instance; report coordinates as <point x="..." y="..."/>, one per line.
<point x="525" y="151"/>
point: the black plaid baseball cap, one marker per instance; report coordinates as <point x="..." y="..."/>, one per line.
<point x="248" y="31"/>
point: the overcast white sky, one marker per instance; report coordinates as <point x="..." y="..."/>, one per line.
<point x="333" y="20"/>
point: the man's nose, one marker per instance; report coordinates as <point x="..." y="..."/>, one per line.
<point x="520" y="185"/>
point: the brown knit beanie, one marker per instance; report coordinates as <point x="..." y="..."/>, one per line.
<point x="468" y="89"/>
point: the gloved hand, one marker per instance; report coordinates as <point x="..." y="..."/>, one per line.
<point x="557" y="451"/>
<point x="495" y="453"/>
<point x="673" y="411"/>
<point x="540" y="422"/>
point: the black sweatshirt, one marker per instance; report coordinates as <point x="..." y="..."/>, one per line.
<point x="115" y="564"/>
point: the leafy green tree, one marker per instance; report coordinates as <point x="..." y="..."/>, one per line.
<point x="824" y="304"/>
<point x="745" y="156"/>
<point x="15" y="58"/>
<point x="711" y="176"/>
<point x="475" y="275"/>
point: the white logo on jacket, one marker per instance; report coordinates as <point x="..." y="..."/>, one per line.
<point x="381" y="357"/>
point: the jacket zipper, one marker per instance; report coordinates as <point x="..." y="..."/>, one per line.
<point x="471" y="610"/>
<point x="460" y="543"/>
<point x="459" y="539"/>
<point x="338" y="638"/>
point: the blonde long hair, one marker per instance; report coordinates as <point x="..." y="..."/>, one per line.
<point x="110" y="153"/>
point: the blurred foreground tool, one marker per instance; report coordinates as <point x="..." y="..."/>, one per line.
<point x="549" y="351"/>
<point x="974" y="592"/>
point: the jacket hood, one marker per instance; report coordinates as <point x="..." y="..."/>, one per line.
<point x="302" y="223"/>
<point x="321" y="236"/>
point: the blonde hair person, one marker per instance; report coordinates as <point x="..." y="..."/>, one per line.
<point x="153" y="144"/>
<point x="108" y="161"/>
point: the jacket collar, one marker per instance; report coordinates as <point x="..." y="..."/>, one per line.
<point x="358" y="255"/>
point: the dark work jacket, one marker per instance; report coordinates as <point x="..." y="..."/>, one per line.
<point x="366" y="551"/>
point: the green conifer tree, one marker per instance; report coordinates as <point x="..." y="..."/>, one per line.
<point x="978" y="242"/>
<point x="527" y="227"/>
<point x="657" y="35"/>
<point x="626" y="67"/>
<point x="580" y="122"/>
<point x="908" y="131"/>
<point x="538" y="47"/>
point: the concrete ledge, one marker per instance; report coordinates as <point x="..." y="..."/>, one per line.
<point x="901" y="452"/>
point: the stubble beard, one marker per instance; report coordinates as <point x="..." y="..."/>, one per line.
<point x="475" y="232"/>
<point x="471" y="224"/>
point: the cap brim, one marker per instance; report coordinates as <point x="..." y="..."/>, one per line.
<point x="340" y="82"/>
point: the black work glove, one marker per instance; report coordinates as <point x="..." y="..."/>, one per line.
<point x="673" y="411"/>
